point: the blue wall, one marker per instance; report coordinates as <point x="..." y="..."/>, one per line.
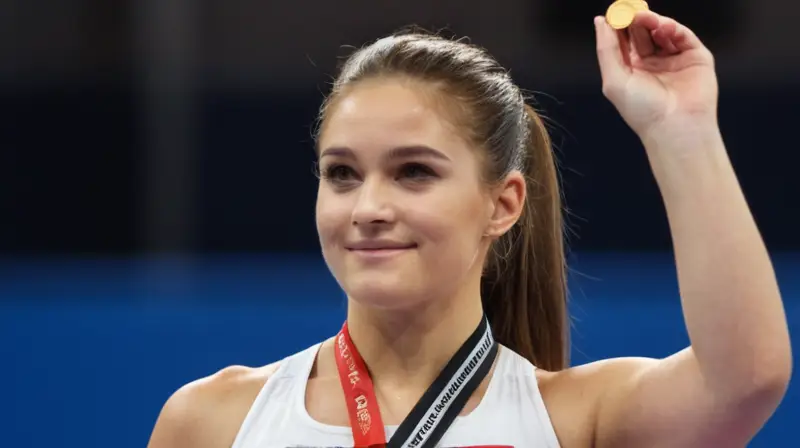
<point x="91" y="349"/>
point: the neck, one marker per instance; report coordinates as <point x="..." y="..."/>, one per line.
<point x="408" y="348"/>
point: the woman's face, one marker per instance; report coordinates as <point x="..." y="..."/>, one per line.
<point x="401" y="208"/>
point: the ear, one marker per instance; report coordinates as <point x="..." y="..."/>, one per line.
<point x="508" y="200"/>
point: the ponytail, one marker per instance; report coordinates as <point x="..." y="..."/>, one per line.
<point x="524" y="286"/>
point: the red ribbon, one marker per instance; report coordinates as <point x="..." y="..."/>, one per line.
<point x="359" y="393"/>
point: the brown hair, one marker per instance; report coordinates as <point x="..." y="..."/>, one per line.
<point x="524" y="284"/>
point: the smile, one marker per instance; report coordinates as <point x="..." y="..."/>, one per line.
<point x="377" y="252"/>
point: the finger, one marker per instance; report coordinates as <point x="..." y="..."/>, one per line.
<point x="682" y="38"/>
<point x="647" y="20"/>
<point x="663" y="39"/>
<point x="624" y="41"/>
<point x="609" y="53"/>
<point x="642" y="41"/>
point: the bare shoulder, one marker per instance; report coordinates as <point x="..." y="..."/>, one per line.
<point x="573" y="396"/>
<point x="208" y="412"/>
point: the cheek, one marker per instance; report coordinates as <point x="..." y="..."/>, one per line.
<point x="452" y="238"/>
<point x="332" y="218"/>
<point x="453" y="224"/>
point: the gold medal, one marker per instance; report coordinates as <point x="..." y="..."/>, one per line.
<point x="621" y="13"/>
<point x="638" y="5"/>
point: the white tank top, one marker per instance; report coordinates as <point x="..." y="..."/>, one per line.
<point x="511" y="413"/>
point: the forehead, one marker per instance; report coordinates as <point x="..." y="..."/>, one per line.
<point x="384" y="114"/>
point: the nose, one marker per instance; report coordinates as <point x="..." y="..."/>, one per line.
<point x="374" y="205"/>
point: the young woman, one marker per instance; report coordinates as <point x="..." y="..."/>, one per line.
<point x="438" y="213"/>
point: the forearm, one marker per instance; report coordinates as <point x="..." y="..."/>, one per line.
<point x="731" y="301"/>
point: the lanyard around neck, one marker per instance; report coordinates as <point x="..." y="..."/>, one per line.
<point x="439" y="406"/>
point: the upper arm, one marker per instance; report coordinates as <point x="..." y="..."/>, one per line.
<point x="208" y="412"/>
<point x="668" y="402"/>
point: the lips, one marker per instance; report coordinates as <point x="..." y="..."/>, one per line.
<point x="376" y="246"/>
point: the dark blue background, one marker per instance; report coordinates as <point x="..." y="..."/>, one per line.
<point x="92" y="348"/>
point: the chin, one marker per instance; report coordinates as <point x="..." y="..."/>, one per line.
<point x="383" y="293"/>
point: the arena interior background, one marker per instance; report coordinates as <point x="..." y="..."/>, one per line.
<point x="157" y="191"/>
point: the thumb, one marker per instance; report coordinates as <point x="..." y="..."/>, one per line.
<point x="612" y="54"/>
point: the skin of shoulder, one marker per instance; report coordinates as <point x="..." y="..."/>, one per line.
<point x="208" y="412"/>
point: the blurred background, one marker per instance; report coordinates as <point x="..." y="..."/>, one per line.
<point x="157" y="188"/>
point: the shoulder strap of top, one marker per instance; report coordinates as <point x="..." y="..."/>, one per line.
<point x="292" y="369"/>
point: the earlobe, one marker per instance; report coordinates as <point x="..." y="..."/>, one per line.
<point x="493" y="233"/>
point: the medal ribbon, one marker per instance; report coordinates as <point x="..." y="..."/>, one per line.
<point x="439" y="406"/>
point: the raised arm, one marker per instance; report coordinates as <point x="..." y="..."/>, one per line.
<point x="722" y="389"/>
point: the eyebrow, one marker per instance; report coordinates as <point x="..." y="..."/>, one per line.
<point x="401" y="152"/>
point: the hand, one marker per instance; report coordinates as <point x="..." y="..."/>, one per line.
<point x="658" y="75"/>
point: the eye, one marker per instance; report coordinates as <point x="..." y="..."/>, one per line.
<point x="339" y="173"/>
<point x="416" y="171"/>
